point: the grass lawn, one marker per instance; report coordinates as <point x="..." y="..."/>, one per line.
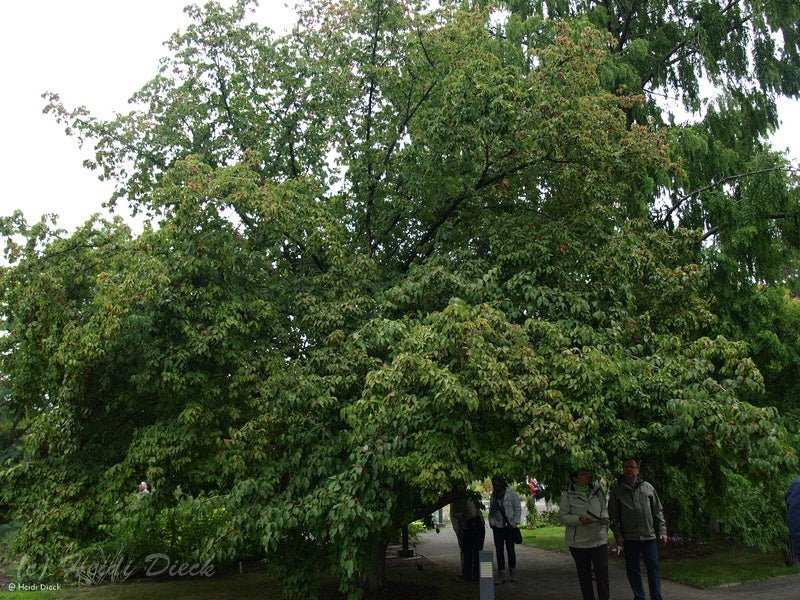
<point x="405" y="582"/>
<point x="723" y="565"/>
<point x="726" y="565"/>
<point x="547" y="538"/>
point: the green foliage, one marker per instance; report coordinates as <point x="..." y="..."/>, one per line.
<point x="755" y="508"/>
<point x="7" y="533"/>
<point x="533" y="513"/>
<point x="549" y="518"/>
<point x="190" y="532"/>
<point x="393" y="253"/>
<point x="546" y="518"/>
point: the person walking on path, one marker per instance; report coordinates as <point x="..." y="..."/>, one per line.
<point x="505" y="514"/>
<point x="466" y="511"/>
<point x="637" y="520"/>
<point x="584" y="511"/>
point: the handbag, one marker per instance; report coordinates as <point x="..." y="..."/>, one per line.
<point x="516" y="534"/>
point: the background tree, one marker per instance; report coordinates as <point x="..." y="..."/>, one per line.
<point x="393" y="252"/>
<point x="723" y="63"/>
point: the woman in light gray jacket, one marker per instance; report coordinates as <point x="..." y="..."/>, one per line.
<point x="505" y="513"/>
<point x="584" y="511"/>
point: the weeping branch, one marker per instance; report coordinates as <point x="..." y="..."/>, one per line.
<point x="715" y="184"/>
<point x="717" y="228"/>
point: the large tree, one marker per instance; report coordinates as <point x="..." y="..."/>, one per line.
<point x="711" y="72"/>
<point x="393" y="252"/>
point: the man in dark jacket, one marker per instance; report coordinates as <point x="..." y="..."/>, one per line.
<point x="793" y="508"/>
<point x="637" y="520"/>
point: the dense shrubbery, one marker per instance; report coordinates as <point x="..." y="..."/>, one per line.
<point x="545" y="518"/>
<point x="192" y="532"/>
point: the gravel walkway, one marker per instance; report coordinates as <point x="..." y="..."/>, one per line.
<point x="545" y="575"/>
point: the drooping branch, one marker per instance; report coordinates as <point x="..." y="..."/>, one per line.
<point x="717" y="228"/>
<point x="421" y="512"/>
<point x="714" y="184"/>
<point x="667" y="57"/>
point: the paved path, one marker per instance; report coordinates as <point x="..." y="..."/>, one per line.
<point x="545" y="575"/>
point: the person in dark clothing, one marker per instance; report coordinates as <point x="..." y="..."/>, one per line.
<point x="467" y="512"/>
<point x="505" y="513"/>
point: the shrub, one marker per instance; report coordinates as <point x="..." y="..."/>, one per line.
<point x="546" y="518"/>
<point x="533" y="513"/>
<point x="193" y="531"/>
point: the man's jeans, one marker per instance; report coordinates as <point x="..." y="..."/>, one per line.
<point x="502" y="538"/>
<point x="648" y="550"/>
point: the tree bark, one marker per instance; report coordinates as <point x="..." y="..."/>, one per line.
<point x="375" y="581"/>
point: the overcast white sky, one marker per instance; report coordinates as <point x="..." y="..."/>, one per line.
<point x="94" y="53"/>
<point x="97" y="53"/>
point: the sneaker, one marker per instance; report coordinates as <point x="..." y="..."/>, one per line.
<point x="501" y="578"/>
<point x="511" y="575"/>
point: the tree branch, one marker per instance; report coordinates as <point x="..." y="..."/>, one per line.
<point x="373" y="184"/>
<point x="443" y="500"/>
<point x="623" y="36"/>
<point x="455" y="202"/>
<point x="717" y="228"/>
<point x="715" y="184"/>
<point x="666" y="58"/>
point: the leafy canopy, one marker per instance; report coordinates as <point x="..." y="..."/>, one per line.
<point x="392" y="253"/>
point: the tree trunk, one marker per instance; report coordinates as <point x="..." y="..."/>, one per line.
<point x="375" y="580"/>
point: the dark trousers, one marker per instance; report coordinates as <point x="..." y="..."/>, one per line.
<point x="587" y="559"/>
<point x="502" y="538"/>
<point x="648" y="550"/>
<point x="473" y="543"/>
